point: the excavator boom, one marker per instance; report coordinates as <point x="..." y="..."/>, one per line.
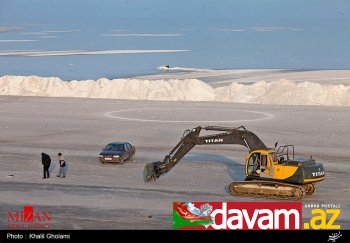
<point x="191" y="138"/>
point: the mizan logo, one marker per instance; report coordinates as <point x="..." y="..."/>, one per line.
<point x="29" y="219"/>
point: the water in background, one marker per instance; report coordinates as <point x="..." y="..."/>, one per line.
<point x="216" y="35"/>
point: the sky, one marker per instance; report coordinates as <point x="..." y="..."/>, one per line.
<point x="90" y="39"/>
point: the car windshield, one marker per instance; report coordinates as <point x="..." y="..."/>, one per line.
<point x="116" y="147"/>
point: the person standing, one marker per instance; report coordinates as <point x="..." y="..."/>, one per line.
<point x="46" y="161"/>
<point x="63" y="166"/>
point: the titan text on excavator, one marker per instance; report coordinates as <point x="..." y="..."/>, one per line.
<point x="270" y="172"/>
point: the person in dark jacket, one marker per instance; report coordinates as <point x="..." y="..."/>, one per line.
<point x="46" y="161"/>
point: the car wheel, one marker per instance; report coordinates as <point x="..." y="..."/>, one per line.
<point x="121" y="160"/>
<point x="132" y="159"/>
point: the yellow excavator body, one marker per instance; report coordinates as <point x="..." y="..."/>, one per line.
<point x="269" y="172"/>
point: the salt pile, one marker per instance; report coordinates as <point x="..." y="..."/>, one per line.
<point x="282" y="92"/>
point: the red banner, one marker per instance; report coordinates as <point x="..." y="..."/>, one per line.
<point x="238" y="215"/>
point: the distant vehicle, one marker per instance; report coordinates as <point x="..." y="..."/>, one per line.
<point x="164" y="67"/>
<point x="117" y="152"/>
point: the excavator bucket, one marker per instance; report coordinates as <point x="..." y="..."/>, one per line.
<point x="152" y="171"/>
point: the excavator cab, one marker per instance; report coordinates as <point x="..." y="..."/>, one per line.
<point x="259" y="163"/>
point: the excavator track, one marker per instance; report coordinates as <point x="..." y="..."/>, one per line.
<point x="309" y="188"/>
<point x="267" y="189"/>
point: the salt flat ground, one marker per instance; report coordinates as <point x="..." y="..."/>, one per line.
<point x="96" y="196"/>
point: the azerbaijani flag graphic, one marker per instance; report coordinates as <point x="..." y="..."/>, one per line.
<point x="187" y="216"/>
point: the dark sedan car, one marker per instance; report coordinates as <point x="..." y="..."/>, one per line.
<point x="117" y="152"/>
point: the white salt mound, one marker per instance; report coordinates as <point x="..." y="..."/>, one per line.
<point x="282" y="92"/>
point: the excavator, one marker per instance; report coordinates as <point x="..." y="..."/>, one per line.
<point x="270" y="172"/>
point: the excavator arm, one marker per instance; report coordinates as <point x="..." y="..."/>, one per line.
<point x="191" y="138"/>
